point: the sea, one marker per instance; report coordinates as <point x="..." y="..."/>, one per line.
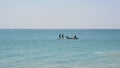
<point x="41" y="48"/>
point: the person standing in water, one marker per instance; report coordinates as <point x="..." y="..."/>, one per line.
<point x="62" y="36"/>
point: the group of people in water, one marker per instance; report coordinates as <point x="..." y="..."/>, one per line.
<point x="61" y="36"/>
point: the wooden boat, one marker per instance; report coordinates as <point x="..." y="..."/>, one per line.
<point x="75" y="38"/>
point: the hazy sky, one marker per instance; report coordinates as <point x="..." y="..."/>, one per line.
<point x="65" y="14"/>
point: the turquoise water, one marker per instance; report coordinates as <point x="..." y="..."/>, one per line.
<point x="35" y="48"/>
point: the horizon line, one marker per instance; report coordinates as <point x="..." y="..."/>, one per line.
<point x="62" y="28"/>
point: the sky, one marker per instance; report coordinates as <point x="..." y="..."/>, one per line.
<point x="60" y="14"/>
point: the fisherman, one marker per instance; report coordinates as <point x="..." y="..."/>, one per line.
<point x="62" y="36"/>
<point x="75" y="36"/>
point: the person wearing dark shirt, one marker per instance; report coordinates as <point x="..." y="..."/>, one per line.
<point x="62" y="36"/>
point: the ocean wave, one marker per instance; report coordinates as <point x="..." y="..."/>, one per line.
<point x="109" y="53"/>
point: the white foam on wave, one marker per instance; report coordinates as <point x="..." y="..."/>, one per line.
<point x="109" y="53"/>
<point x="95" y="64"/>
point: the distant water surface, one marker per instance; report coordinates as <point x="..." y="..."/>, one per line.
<point x="40" y="48"/>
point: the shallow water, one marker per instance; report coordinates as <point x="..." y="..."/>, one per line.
<point x="35" y="48"/>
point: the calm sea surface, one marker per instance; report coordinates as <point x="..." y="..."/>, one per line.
<point x="40" y="48"/>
